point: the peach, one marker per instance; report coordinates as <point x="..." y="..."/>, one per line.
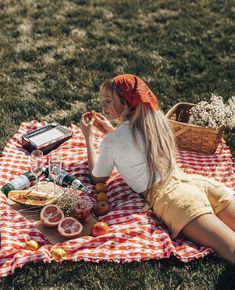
<point x="100" y="187"/>
<point x="100" y="228"/>
<point x="102" y="207"/>
<point x="102" y="196"/>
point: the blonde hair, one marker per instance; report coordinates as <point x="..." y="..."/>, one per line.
<point x="108" y="88"/>
<point x="155" y="131"/>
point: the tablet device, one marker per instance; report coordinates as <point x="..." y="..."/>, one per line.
<point x="46" y="138"/>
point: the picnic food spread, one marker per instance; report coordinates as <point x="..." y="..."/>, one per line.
<point x="66" y="220"/>
<point x="55" y="218"/>
<point x="66" y="211"/>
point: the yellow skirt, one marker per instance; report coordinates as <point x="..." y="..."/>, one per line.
<point x="187" y="196"/>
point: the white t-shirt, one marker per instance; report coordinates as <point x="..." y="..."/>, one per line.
<point x="119" y="150"/>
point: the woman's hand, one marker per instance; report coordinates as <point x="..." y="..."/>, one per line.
<point x="103" y="124"/>
<point x="86" y="125"/>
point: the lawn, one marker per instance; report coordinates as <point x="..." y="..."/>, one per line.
<point x="55" y="54"/>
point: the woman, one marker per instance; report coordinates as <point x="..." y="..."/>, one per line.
<point x="142" y="149"/>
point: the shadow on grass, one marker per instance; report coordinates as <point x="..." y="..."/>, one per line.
<point x="208" y="273"/>
<point x="226" y="281"/>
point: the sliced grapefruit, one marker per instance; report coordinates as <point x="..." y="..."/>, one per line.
<point x="51" y="215"/>
<point x="69" y="227"/>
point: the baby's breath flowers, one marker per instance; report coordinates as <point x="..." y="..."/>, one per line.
<point x="67" y="200"/>
<point x="231" y="112"/>
<point x="214" y="114"/>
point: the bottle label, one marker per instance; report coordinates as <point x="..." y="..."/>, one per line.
<point x="20" y="182"/>
<point x="61" y="177"/>
<point x="76" y="184"/>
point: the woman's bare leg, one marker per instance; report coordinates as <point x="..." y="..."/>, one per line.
<point x="227" y="215"/>
<point x="208" y="230"/>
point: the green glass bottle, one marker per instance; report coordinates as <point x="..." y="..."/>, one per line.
<point x="21" y="182"/>
<point x="69" y="180"/>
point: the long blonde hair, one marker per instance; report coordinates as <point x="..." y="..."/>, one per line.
<point x="155" y="131"/>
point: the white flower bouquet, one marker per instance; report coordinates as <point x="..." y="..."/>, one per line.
<point x="213" y="114"/>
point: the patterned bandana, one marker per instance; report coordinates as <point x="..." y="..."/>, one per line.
<point x="135" y="91"/>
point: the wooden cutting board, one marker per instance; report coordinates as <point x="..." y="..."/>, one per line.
<point x="33" y="215"/>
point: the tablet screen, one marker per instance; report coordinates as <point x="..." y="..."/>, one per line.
<point x="46" y="136"/>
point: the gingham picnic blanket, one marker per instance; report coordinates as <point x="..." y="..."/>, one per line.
<point x="135" y="232"/>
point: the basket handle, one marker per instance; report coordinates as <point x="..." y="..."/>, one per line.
<point x="181" y="131"/>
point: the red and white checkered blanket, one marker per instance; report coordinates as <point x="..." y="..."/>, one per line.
<point x="135" y="233"/>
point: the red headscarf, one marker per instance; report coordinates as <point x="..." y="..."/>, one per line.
<point x="135" y="91"/>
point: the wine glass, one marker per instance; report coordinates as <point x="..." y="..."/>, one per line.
<point x="54" y="167"/>
<point x="37" y="164"/>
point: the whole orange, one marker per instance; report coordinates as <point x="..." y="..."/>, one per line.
<point x="100" y="228"/>
<point x="102" y="196"/>
<point x="101" y="208"/>
<point x="100" y="187"/>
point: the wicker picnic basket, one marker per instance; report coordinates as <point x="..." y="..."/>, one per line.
<point x="192" y="137"/>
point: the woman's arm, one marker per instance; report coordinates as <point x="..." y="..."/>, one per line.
<point x="87" y="130"/>
<point x="92" y="158"/>
<point x="91" y="153"/>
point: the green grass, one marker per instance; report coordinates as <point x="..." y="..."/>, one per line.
<point x="209" y="273"/>
<point x="55" y="54"/>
